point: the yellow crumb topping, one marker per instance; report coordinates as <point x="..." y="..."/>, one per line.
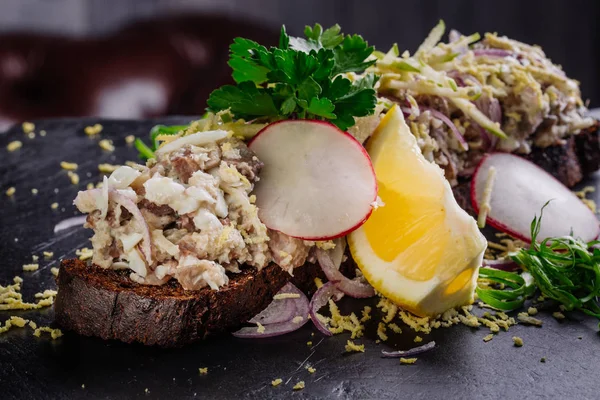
<point x="89" y="186"/>
<point x="381" y="332"/>
<point x="366" y="314"/>
<point x="489" y="337"/>
<point x="54" y="333"/>
<point x="558" y="315"/>
<point x="203" y="371"/>
<point x="10" y="191"/>
<point x="42" y="133"/>
<point x="32" y="325"/>
<point x="325" y="245"/>
<point x="309" y="343"/>
<point x="14" y="145"/>
<point x="84" y="253"/>
<point x="106" y="144"/>
<point x="529" y="320"/>
<point x="69" y="166"/>
<point x="34" y="191"/>
<point x="93" y="130"/>
<point x="34" y="258"/>
<point x="54" y="206"/>
<point x="54" y="271"/>
<point x="31" y="267"/>
<point x="276" y="382"/>
<point x="260" y="328"/>
<point x="395" y="328"/>
<point x="48" y="254"/>
<point x="353" y="347"/>
<point x="28" y="127"/>
<point x="282" y="296"/>
<point x="311" y="370"/>
<point x="299" y="386"/>
<point x="318" y="283"/>
<point x="532" y="311"/>
<point x="107" y="168"/>
<point x="129" y="139"/>
<point x="298" y="319"/>
<point x="73" y="177"/>
<point x="31" y="135"/>
<point x="518" y="342"/>
<point x="408" y="361"/>
<point x="418" y="339"/>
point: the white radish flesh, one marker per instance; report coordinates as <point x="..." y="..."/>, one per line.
<point x="520" y="190"/>
<point x="317" y="182"/>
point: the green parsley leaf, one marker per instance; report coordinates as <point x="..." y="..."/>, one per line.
<point x="244" y="100"/>
<point x="242" y="62"/>
<point x="351" y="54"/>
<point x="321" y="108"/>
<point x="328" y="39"/>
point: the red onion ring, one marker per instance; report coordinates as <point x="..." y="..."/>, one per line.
<point x="504" y="265"/>
<point x="410" y="352"/>
<point x="492" y="53"/>
<point x="282" y="310"/>
<point x="319" y="300"/>
<point x="301" y="307"/>
<point x="129" y="205"/>
<point x="350" y="287"/>
<point x="439" y="115"/>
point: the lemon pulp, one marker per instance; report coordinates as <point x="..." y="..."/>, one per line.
<point x="421" y="250"/>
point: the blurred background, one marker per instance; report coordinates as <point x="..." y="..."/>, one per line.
<point x="143" y="58"/>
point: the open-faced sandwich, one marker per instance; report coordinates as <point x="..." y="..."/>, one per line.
<point x="326" y="156"/>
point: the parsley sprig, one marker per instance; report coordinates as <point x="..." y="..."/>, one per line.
<point x="301" y="78"/>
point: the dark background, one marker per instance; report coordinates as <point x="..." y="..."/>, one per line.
<point x="61" y="57"/>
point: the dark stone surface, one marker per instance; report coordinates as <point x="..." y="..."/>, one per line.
<point x="462" y="366"/>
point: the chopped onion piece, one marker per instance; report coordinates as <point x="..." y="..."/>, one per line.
<point x="410" y="352"/>
<point x="492" y="53"/>
<point x="437" y="114"/>
<point x="352" y="288"/>
<point x="282" y="310"/>
<point x="505" y="265"/>
<point x="129" y="205"/>
<point x="320" y="299"/>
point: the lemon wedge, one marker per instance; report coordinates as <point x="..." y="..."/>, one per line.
<point x="420" y="250"/>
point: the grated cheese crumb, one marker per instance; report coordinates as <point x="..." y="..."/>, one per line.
<point x="74" y="177"/>
<point x="48" y="254"/>
<point x="282" y="296"/>
<point x="518" y="342"/>
<point x="532" y="311"/>
<point x="10" y="191"/>
<point x="489" y="337"/>
<point x="129" y="139"/>
<point x="107" y="168"/>
<point x="42" y="133"/>
<point x="34" y="191"/>
<point x="54" y="333"/>
<point x="325" y="245"/>
<point x="14" y="145"/>
<point x="69" y="166"/>
<point x="366" y="314"/>
<point x="408" y="361"/>
<point x="93" y="130"/>
<point x="54" y="206"/>
<point x="353" y="347"/>
<point x="203" y="371"/>
<point x="487" y="196"/>
<point x="526" y="319"/>
<point x="46" y="294"/>
<point x="309" y="343"/>
<point x="32" y="325"/>
<point x="31" y="135"/>
<point x="418" y="339"/>
<point x="558" y="315"/>
<point x="396" y="329"/>
<point x="299" y="386"/>
<point x="28" y="127"/>
<point x="318" y="283"/>
<point x="106" y="144"/>
<point x="31" y="267"/>
<point x="260" y="328"/>
<point x="89" y="186"/>
<point x="54" y="271"/>
<point x="34" y="258"/>
<point x="297" y="319"/>
<point x="310" y="369"/>
<point x="84" y="253"/>
<point x="381" y="332"/>
<point x="276" y="382"/>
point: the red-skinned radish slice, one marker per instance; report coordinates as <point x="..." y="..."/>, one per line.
<point x="352" y="288"/>
<point x="520" y="189"/>
<point x="317" y="182"/>
<point x="320" y="299"/>
<point x="280" y="310"/>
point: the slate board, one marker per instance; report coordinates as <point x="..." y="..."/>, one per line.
<point x="462" y="365"/>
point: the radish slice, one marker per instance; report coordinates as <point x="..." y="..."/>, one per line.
<point x="350" y="287"/>
<point x="280" y="310"/>
<point x="317" y="183"/>
<point x="320" y="299"/>
<point x="520" y="190"/>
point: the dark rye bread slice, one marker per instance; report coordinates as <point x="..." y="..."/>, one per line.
<point x="96" y="302"/>
<point x="569" y="163"/>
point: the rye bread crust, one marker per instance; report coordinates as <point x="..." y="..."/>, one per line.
<point x="96" y="302"/>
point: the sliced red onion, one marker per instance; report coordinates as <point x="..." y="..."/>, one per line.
<point x="129" y="205"/>
<point x="282" y="310"/>
<point x="492" y="53"/>
<point x="302" y="311"/>
<point x="410" y="352"/>
<point x="505" y="265"/>
<point x="352" y="288"/>
<point x="337" y="253"/>
<point x="319" y="300"/>
<point x="437" y="114"/>
<point x="69" y="223"/>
